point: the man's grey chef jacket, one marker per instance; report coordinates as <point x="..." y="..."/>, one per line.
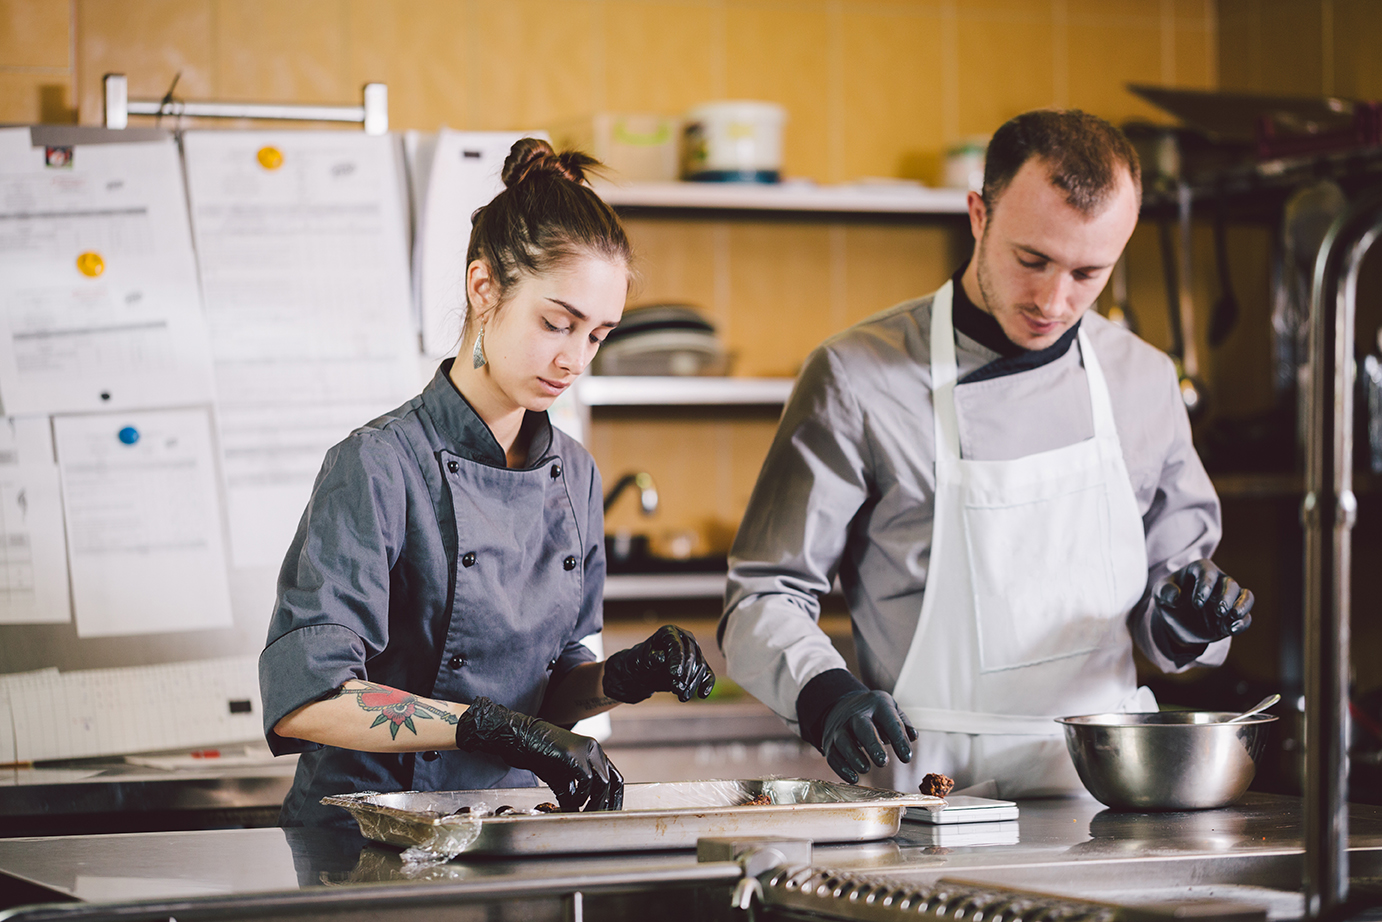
<point x="422" y="562"/>
<point x="848" y="485"/>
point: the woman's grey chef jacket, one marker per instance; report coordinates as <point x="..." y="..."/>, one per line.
<point x="422" y="562"/>
<point x="848" y="484"/>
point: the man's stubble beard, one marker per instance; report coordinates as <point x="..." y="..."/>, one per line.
<point x="981" y="279"/>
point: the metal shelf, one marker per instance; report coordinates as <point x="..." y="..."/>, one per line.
<point x="665" y="586"/>
<point x="616" y="391"/>
<point x="864" y="198"/>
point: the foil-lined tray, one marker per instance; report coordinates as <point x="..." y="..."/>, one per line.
<point x="656" y="815"/>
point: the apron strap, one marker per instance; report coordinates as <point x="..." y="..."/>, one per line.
<point x="944" y="375"/>
<point x="1099" y="401"/>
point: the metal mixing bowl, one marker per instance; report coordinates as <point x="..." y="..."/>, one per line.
<point x="1172" y="760"/>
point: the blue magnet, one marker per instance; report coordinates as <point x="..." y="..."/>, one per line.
<point x="129" y="435"/>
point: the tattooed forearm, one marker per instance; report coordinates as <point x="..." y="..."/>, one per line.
<point x="395" y="707"/>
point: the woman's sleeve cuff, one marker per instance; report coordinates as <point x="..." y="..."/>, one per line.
<point x="302" y="666"/>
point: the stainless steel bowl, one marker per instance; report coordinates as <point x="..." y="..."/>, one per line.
<point x="1172" y="760"/>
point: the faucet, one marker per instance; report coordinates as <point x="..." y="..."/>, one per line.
<point x="1328" y="513"/>
<point x="647" y="491"/>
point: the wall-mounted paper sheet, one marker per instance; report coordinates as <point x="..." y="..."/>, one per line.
<point x="302" y="244"/>
<point x="99" y="305"/>
<point x="9" y="751"/>
<point x="143" y="522"/>
<point x="465" y="174"/>
<point x="101" y="712"/>
<point x="33" y="556"/>
<point x="303" y="248"/>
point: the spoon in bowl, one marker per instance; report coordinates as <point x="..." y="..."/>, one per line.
<point x="1256" y="709"/>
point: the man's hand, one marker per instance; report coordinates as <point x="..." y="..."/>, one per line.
<point x="670" y="660"/>
<point x="856" y="728"/>
<point x="573" y="766"/>
<point x="1200" y="604"/>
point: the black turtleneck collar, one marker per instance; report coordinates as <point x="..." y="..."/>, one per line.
<point x="983" y="329"/>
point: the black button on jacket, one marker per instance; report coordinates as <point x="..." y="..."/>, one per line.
<point x="372" y="587"/>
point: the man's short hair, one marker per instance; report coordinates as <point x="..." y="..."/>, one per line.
<point x="1085" y="154"/>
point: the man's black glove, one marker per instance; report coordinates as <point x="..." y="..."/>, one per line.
<point x="670" y="660"/>
<point x="857" y="726"/>
<point x="573" y="766"/>
<point x="1199" y="604"/>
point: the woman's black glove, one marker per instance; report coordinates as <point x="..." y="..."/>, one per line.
<point x="573" y="766"/>
<point x="1199" y="604"/>
<point x="670" y="660"/>
<point x="856" y="727"/>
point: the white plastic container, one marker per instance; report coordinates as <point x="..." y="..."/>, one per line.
<point x="734" y="141"/>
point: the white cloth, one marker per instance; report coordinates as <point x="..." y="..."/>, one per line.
<point x="848" y="489"/>
<point x="1035" y="561"/>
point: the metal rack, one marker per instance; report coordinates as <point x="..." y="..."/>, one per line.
<point x="1329" y="511"/>
<point x="373" y="112"/>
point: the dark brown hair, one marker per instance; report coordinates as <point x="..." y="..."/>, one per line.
<point x="545" y="216"/>
<point x="1084" y="154"/>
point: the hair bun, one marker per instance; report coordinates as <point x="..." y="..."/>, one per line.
<point x="530" y="158"/>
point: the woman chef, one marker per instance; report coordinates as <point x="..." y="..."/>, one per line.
<point x="427" y="633"/>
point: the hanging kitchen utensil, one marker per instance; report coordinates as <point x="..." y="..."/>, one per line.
<point x="1176" y="266"/>
<point x="1166" y="236"/>
<point x="1121" y="311"/>
<point x="1225" y="313"/>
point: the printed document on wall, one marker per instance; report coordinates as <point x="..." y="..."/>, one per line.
<point x="302" y="244"/>
<point x="99" y="305"/>
<point x="33" y="558"/>
<point x="463" y="173"/>
<point x="143" y="522"/>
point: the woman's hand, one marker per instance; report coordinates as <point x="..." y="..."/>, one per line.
<point x="670" y="660"/>
<point x="573" y="766"/>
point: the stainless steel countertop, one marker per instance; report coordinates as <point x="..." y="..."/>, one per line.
<point x="115" y="786"/>
<point x="1074" y="847"/>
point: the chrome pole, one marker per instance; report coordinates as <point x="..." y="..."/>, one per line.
<point x="373" y="113"/>
<point x="1328" y="513"/>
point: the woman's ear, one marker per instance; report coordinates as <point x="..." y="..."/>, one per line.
<point x="481" y="289"/>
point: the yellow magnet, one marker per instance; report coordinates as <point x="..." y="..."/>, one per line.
<point x="91" y="264"/>
<point x="270" y="158"/>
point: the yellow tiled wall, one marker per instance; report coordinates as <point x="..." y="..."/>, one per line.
<point x="872" y="88"/>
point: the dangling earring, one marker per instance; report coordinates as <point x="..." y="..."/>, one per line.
<point x="477" y="355"/>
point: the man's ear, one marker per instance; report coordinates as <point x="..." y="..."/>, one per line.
<point x="978" y="214"/>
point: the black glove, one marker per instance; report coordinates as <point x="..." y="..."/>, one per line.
<point x="573" y="766"/>
<point x="1200" y="604"/>
<point x="851" y="733"/>
<point x="670" y="660"/>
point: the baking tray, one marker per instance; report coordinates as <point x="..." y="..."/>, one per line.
<point x="656" y="815"/>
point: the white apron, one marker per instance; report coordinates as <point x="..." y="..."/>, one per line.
<point x="1035" y="564"/>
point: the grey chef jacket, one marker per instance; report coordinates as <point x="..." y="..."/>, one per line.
<point x="848" y="486"/>
<point x="422" y="562"/>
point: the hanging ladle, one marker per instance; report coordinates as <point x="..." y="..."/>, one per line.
<point x="1256" y="709"/>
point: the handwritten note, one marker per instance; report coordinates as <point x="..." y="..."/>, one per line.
<point x="33" y="557"/>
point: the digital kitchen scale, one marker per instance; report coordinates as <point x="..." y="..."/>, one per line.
<point x="961" y="808"/>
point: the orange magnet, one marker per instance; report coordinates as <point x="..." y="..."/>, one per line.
<point x="91" y="264"/>
<point x="270" y="158"/>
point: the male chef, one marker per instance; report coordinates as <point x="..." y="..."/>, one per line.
<point x="1004" y="484"/>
